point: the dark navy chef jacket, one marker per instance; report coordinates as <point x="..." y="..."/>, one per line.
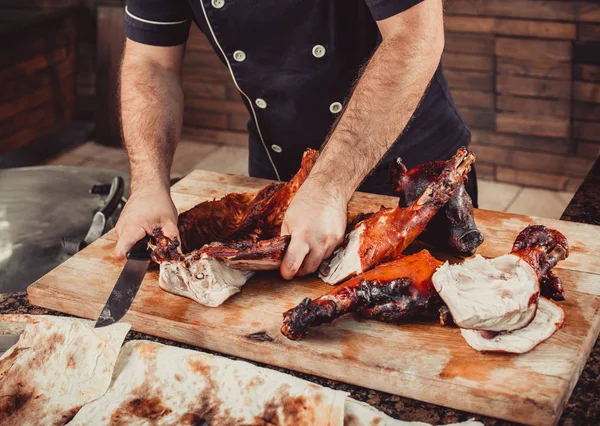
<point x="295" y="63"/>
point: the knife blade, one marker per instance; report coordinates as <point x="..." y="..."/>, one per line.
<point x="7" y="341"/>
<point x="127" y="285"/>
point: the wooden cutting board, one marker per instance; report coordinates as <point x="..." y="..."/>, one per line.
<point x="423" y="361"/>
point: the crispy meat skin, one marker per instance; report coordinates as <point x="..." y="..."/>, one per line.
<point x="238" y="228"/>
<point x="404" y="282"/>
<point x="242" y="216"/>
<point x="232" y="217"/>
<point x="248" y="254"/>
<point x="542" y="249"/>
<point x="453" y="227"/>
<point x="385" y="234"/>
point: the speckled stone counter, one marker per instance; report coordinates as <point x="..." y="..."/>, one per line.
<point x="585" y="205"/>
<point x="583" y="408"/>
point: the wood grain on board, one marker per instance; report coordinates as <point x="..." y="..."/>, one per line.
<point x="420" y="360"/>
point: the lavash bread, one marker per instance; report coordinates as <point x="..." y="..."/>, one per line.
<point x="60" y="372"/>
<point x="156" y="384"/>
<point x="358" y="413"/>
<point x="164" y="385"/>
<point x="58" y="365"/>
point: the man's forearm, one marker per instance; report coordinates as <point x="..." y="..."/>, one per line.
<point x="382" y="103"/>
<point x="151" y="105"/>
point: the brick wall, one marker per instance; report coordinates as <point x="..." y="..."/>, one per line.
<point x="524" y="73"/>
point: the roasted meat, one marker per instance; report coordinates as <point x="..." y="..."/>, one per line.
<point x="383" y="236"/>
<point x="501" y="294"/>
<point x="527" y="245"/>
<point x="224" y="241"/>
<point x="238" y="217"/>
<point x="453" y="227"/>
<point x="548" y="319"/>
<point x="405" y="282"/>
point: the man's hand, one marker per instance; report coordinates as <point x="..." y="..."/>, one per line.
<point x="147" y="208"/>
<point x="316" y="220"/>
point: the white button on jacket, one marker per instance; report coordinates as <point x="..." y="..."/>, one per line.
<point x="276" y="148"/>
<point x="318" y="51"/>
<point x="239" y="56"/>
<point x="217" y="4"/>
<point x="335" y="107"/>
<point x="260" y="103"/>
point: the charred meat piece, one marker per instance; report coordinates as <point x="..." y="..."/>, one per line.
<point x="548" y="319"/>
<point x="406" y="280"/>
<point x="413" y="304"/>
<point x="501" y="294"/>
<point x="238" y="217"/>
<point x="383" y="236"/>
<point x="263" y="255"/>
<point x="225" y="241"/>
<point x="233" y="217"/>
<point x="453" y="227"/>
<point x="543" y="261"/>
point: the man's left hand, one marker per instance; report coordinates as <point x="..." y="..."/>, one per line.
<point x="316" y="220"/>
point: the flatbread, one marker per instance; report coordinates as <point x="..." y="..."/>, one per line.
<point x="58" y="365"/>
<point x="164" y="385"/>
<point x="358" y="413"/>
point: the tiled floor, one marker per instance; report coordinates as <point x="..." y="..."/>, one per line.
<point x="192" y="155"/>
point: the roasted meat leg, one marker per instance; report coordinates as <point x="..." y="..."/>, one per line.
<point x="501" y="294"/>
<point x="543" y="248"/>
<point x="406" y="281"/>
<point x="225" y="241"/>
<point x="383" y="236"/>
<point x="453" y="227"/>
<point x="237" y="217"/>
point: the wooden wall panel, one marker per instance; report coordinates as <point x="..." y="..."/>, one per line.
<point x="110" y="49"/>
<point x="511" y="27"/>
<point x="37" y="74"/>
<point x="544" y="107"/>
<point x="463" y="61"/>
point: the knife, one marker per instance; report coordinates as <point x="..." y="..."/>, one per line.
<point x="9" y="334"/>
<point x="7" y="341"/>
<point x="127" y="285"/>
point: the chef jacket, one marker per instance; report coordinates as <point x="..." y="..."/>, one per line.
<point x="295" y="63"/>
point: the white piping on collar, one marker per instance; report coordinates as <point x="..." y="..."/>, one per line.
<point x="240" y="90"/>
<point x="137" y="18"/>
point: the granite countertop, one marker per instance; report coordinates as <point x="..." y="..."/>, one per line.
<point x="583" y="407"/>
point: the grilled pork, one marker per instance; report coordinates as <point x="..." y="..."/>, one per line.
<point x="405" y="282"/>
<point x="223" y="242"/>
<point x="383" y="236"/>
<point x="501" y="294"/>
<point x="453" y="227"/>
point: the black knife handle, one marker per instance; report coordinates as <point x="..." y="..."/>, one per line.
<point x="140" y="250"/>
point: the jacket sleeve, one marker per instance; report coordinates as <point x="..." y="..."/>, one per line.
<point x="158" y="22"/>
<point x="382" y="9"/>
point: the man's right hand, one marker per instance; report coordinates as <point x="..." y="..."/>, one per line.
<point x="148" y="207"/>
